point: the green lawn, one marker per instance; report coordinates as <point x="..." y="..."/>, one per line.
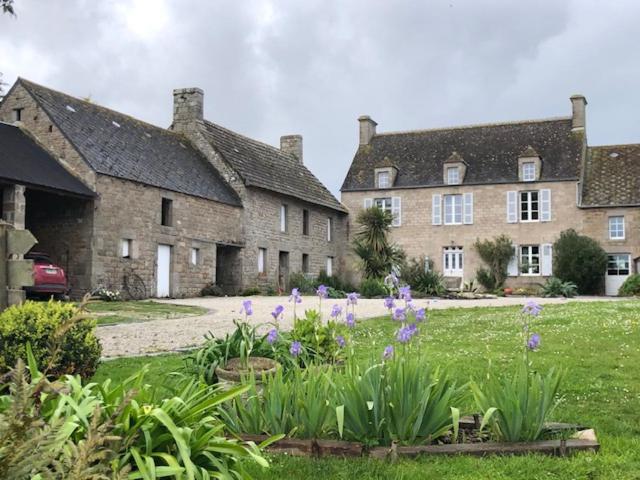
<point x="139" y="311"/>
<point x="597" y="343"/>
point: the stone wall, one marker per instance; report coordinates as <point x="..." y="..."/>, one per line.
<point x="127" y="210"/>
<point x="418" y="237"/>
<point x="596" y="225"/>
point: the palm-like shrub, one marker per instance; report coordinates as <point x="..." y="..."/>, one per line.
<point x="581" y="260"/>
<point x="554" y="287"/>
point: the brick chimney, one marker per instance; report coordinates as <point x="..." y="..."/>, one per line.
<point x="292" y="144"/>
<point x="367" y="129"/>
<point x="187" y="107"/>
<point x="579" y="118"/>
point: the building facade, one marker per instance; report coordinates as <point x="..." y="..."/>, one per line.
<point x="448" y="188"/>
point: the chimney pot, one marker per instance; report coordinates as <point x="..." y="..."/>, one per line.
<point x="188" y="106"/>
<point x="367" y="129"/>
<point x="579" y="117"/>
<point x="292" y="144"/>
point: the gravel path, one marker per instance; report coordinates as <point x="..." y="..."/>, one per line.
<point x="130" y="339"/>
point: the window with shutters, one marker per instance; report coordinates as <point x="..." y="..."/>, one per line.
<point x="616" y="228"/>
<point x="284" y="225"/>
<point x="195" y="256"/>
<point x="453" y="209"/>
<point x="330" y="266"/>
<point x="383" y="204"/>
<point x="262" y="258"/>
<point x="126" y="247"/>
<point x="530" y="259"/>
<point x="529" y="206"/>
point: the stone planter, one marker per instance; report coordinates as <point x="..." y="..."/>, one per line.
<point x="234" y="371"/>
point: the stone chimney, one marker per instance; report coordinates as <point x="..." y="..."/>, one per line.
<point x="579" y="118"/>
<point x="367" y="129"/>
<point x="187" y="107"/>
<point x="292" y="144"/>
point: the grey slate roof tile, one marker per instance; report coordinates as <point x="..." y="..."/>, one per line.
<point x="264" y="166"/>
<point x="612" y="176"/>
<point x="121" y="146"/>
<point x="491" y="152"/>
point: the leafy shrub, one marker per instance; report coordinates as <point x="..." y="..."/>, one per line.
<point x="212" y="290"/>
<point x="554" y="287"/>
<point x="372" y="288"/>
<point x="318" y="339"/>
<point x="420" y="275"/>
<point x="496" y="254"/>
<point x="631" y="286"/>
<point x="39" y="324"/>
<point x="251" y="291"/>
<point x="305" y="283"/>
<point x="581" y="260"/>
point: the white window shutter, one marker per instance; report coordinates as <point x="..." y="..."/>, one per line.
<point x="396" y="211"/>
<point x="512" y="207"/>
<point x="436" y="209"/>
<point x="468" y="208"/>
<point x="545" y="205"/>
<point x="546" y="262"/>
<point x="512" y="269"/>
<point x="368" y="202"/>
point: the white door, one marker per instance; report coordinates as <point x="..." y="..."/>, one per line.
<point x="452" y="261"/>
<point x="618" y="269"/>
<point x="164" y="271"/>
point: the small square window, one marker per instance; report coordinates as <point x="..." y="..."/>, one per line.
<point x="305" y="222"/>
<point x="195" y="256"/>
<point x="126" y="248"/>
<point x="167" y="212"/>
<point x="528" y="172"/>
<point x="283" y="218"/>
<point x="305" y="263"/>
<point x="453" y="175"/>
<point x="383" y="180"/>
<point x="616" y="228"/>
<point x="262" y="258"/>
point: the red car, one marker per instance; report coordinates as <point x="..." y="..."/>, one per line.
<point x="48" y="278"/>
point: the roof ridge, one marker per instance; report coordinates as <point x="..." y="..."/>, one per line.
<point x="613" y="145"/>
<point x="58" y="92"/>
<point x="475" y="125"/>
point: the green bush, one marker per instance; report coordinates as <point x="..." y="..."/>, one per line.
<point x="303" y="282"/>
<point x="372" y="288"/>
<point x="486" y="279"/>
<point x="496" y="254"/>
<point x="36" y="323"/>
<point x="212" y="290"/>
<point x="581" y="260"/>
<point x="251" y="291"/>
<point x="631" y="286"/>
<point x="419" y="274"/>
<point x="554" y="287"/>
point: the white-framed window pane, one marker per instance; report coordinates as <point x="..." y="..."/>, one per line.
<point x="452" y="209"/>
<point x="383" y="179"/>
<point x="616" y="228"/>
<point x="383" y="204"/>
<point x="529" y="206"/>
<point x="262" y="255"/>
<point x="530" y="259"/>
<point x="618" y="264"/>
<point x="283" y="218"/>
<point x="528" y="171"/>
<point x="330" y="266"/>
<point x="329" y="228"/>
<point x="453" y="175"/>
<point x="126" y="248"/>
<point x="195" y="253"/>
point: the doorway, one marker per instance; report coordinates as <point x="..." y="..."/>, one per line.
<point x="163" y="274"/>
<point x="618" y="270"/>
<point x="228" y="269"/>
<point x="452" y="262"/>
<point x="283" y="271"/>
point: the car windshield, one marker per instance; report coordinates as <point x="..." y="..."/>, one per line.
<point x="39" y="259"/>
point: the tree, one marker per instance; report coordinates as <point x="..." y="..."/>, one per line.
<point x="581" y="260"/>
<point x="377" y="255"/>
<point x="7" y="7"/>
<point x="496" y="254"/>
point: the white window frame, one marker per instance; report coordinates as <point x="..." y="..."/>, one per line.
<point x="453" y="175"/>
<point x="262" y="260"/>
<point x="529" y="172"/>
<point x="329" y="229"/>
<point x="529" y="202"/>
<point x="527" y="259"/>
<point x="386" y="175"/>
<point x="329" y="269"/>
<point x="453" y="210"/>
<point x="126" y="248"/>
<point x="616" y="260"/>
<point x="195" y="256"/>
<point x="283" y="218"/>
<point x="384" y="204"/>
<point x="616" y="227"/>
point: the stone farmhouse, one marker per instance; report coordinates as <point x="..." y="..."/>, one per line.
<point x="530" y="180"/>
<point x="118" y="202"/>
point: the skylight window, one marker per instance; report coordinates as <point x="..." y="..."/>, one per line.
<point x="115" y="124"/>
<point x="70" y="108"/>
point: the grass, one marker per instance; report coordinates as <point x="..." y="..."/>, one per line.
<point x="597" y="343"/>
<point x="139" y="311"/>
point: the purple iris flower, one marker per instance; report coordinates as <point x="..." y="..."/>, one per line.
<point x="296" y="349"/>
<point x="322" y="291"/>
<point x="421" y="314"/>
<point x="400" y="314"/>
<point x="341" y="341"/>
<point x="295" y="296"/>
<point x="351" y="320"/>
<point x="405" y="293"/>
<point x="532" y="308"/>
<point x="389" y="303"/>
<point x="405" y="333"/>
<point x="272" y="336"/>
<point x="277" y="312"/>
<point x="247" y="308"/>
<point x="388" y="352"/>
<point x="336" y="311"/>
<point x="534" y="342"/>
<point x="352" y="298"/>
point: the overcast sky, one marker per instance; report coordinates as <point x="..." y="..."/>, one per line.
<point x="311" y="67"/>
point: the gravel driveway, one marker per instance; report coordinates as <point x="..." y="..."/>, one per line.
<point x="130" y="339"/>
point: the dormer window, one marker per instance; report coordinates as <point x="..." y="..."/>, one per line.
<point x="528" y="171"/>
<point x="453" y="175"/>
<point x="383" y="180"/>
<point x="385" y="177"/>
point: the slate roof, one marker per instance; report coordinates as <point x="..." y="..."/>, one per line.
<point x="25" y="162"/>
<point x="264" y="166"/>
<point x="612" y="176"/>
<point x="490" y="151"/>
<point x="121" y="146"/>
